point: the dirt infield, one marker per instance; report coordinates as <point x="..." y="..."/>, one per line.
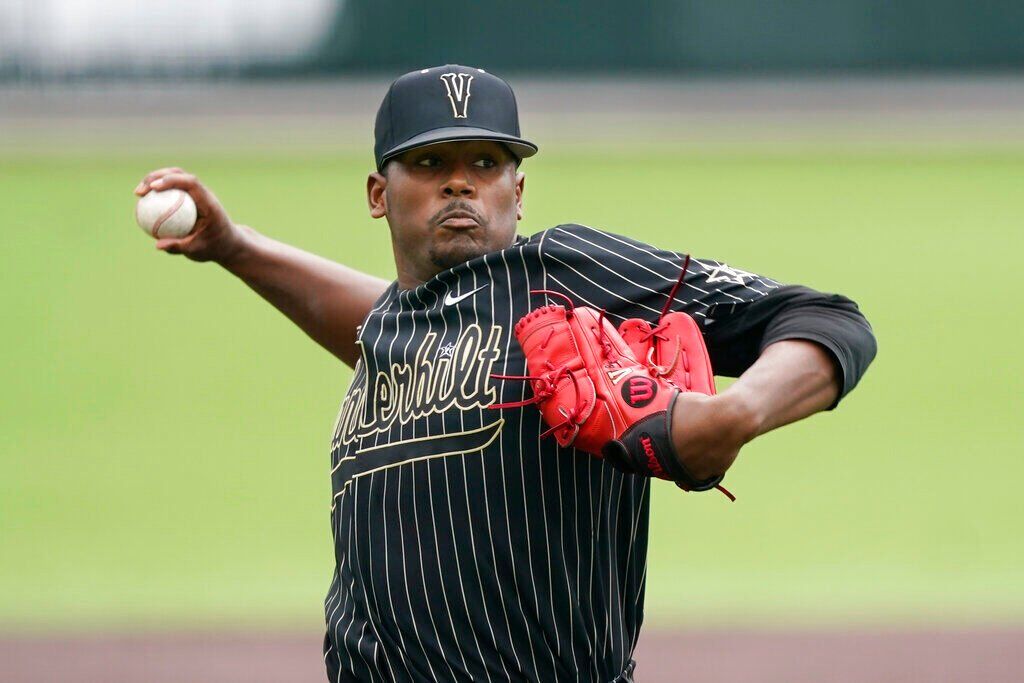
<point x="992" y="656"/>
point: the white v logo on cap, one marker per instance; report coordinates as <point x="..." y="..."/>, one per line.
<point x="458" y="86"/>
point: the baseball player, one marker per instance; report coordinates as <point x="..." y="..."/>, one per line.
<point x="492" y="529"/>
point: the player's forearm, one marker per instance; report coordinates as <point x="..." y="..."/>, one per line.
<point x="791" y="380"/>
<point x="325" y="299"/>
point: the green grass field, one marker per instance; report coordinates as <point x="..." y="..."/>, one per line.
<point x="165" y="432"/>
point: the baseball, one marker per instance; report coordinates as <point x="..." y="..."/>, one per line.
<point x="171" y="213"/>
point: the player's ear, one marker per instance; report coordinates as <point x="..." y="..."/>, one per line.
<point x="375" y="195"/>
<point x="520" y="187"/>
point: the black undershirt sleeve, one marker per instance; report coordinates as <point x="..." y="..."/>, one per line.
<point x="736" y="334"/>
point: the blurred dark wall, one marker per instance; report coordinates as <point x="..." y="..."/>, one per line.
<point x="681" y="35"/>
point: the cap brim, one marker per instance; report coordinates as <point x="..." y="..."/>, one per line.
<point x="520" y="147"/>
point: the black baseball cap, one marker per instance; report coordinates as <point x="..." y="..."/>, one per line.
<point x="446" y="103"/>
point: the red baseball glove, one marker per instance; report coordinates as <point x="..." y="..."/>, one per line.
<point x="596" y="395"/>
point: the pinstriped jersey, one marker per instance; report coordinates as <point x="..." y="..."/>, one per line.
<point x="467" y="547"/>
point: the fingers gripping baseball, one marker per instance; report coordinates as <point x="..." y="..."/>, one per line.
<point x="215" y="237"/>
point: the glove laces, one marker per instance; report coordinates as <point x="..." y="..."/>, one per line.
<point x="654" y="358"/>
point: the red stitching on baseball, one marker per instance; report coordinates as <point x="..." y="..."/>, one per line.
<point x="167" y="214"/>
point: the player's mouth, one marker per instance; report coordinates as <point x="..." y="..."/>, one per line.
<point x="458" y="219"/>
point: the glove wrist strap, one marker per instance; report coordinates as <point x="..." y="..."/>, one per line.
<point x="646" y="449"/>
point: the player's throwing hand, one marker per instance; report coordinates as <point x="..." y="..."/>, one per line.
<point x="215" y="237"/>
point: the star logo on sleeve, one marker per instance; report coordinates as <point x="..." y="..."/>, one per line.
<point x="724" y="273"/>
<point x="446" y="351"/>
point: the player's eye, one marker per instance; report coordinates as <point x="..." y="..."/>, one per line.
<point x="429" y="162"/>
<point x="485" y="162"/>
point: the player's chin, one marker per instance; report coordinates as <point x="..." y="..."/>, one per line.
<point x="458" y="248"/>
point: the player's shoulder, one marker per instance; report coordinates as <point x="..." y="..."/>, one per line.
<point x="567" y="229"/>
<point x="575" y="241"/>
<point x="578" y="236"/>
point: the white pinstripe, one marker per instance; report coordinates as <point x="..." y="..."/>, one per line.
<point x="451" y="520"/>
<point x="375" y="619"/>
<point x="387" y="575"/>
<point x="558" y="467"/>
<point x="362" y="632"/>
<point x="592" y="556"/>
<point x="398" y="504"/>
<point x="348" y="601"/>
<point x="441" y="574"/>
<point x="374" y="611"/>
<point x="486" y="503"/>
<point x="437" y="551"/>
<point x="619" y="588"/>
<point x="401" y="526"/>
<point x="522" y="472"/>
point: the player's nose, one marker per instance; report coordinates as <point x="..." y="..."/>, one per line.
<point x="459" y="182"/>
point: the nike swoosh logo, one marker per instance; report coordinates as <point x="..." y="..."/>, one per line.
<point x="450" y="300"/>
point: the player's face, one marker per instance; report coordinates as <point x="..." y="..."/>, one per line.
<point x="446" y="204"/>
